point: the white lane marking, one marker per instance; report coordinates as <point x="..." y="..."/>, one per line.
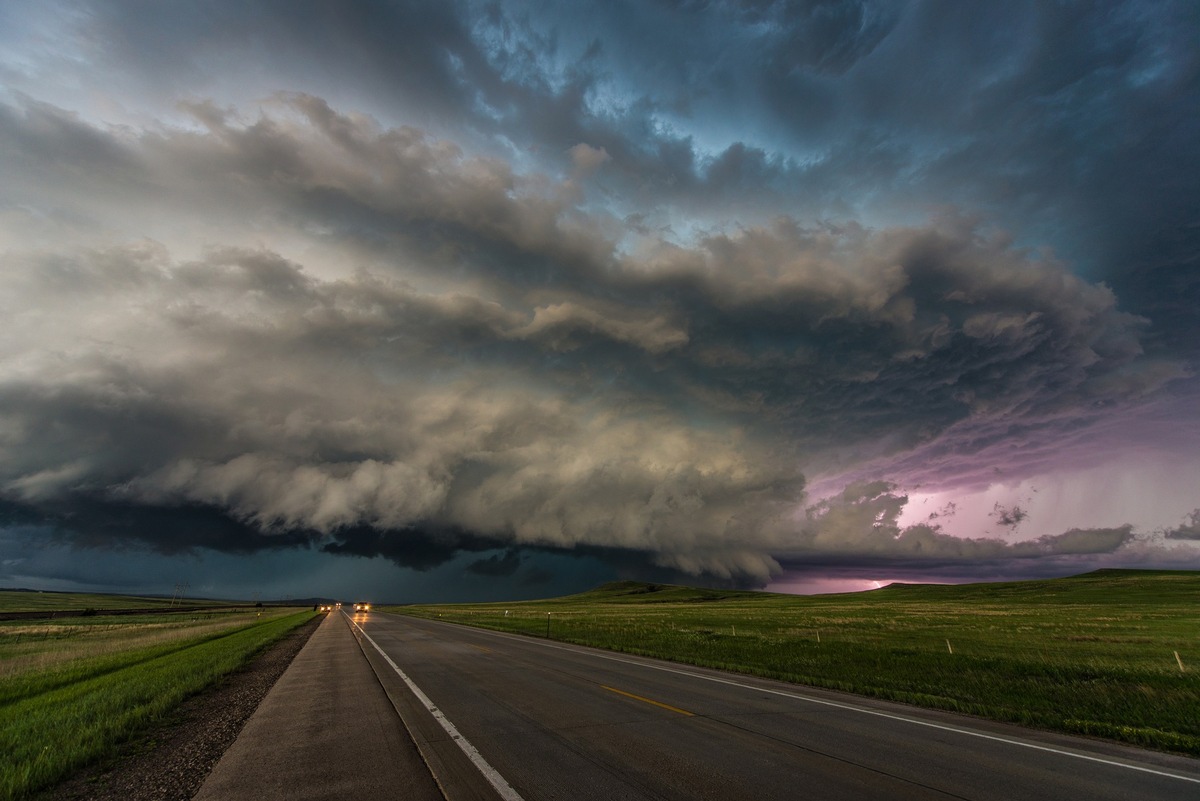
<point x="491" y="774"/>
<point x="824" y="702"/>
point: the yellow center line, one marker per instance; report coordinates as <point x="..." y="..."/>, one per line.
<point x="649" y="701"/>
<point x="481" y="648"/>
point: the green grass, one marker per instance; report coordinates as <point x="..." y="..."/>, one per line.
<point x="29" y="601"/>
<point x="1092" y="654"/>
<point x="68" y="698"/>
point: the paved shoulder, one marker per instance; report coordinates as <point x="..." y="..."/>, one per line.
<point x="325" y="731"/>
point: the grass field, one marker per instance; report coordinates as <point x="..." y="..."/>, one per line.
<point x="72" y="688"/>
<point x="1093" y="654"/>
<point x="26" y="601"/>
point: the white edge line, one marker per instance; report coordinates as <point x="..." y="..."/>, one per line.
<point x="823" y="702"/>
<point x="491" y="774"/>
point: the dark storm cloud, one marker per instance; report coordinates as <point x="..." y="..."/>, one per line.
<point x="1010" y="517"/>
<point x="1187" y="530"/>
<point x="504" y="564"/>
<point x="555" y="392"/>
<point x="607" y="290"/>
<point x="104" y="522"/>
<point x="410" y="54"/>
<point x="418" y="546"/>
<point x="863" y="521"/>
<point x="1033" y="114"/>
<point x="535" y="577"/>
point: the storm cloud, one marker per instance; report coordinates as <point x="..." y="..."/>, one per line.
<point x="1187" y="530"/>
<point x="863" y="520"/>
<point x="501" y="297"/>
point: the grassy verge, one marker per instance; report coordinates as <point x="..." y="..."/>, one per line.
<point x="54" y="721"/>
<point x="1092" y="654"/>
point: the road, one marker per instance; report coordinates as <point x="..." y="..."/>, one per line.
<point x="501" y="716"/>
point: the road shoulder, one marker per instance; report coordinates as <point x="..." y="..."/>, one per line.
<point x="326" y="730"/>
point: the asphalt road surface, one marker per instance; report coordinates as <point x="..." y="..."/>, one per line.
<point x="500" y="716"/>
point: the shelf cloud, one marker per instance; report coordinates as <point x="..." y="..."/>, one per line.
<point x="500" y="298"/>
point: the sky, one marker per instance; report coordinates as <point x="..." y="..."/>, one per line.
<point x="461" y="301"/>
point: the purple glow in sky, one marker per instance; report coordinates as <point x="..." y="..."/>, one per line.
<point x="462" y="299"/>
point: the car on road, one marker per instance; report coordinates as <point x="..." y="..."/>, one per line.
<point x="362" y="607"/>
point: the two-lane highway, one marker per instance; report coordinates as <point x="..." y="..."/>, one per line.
<point x="549" y="720"/>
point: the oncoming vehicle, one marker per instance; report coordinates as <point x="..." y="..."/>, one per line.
<point x="362" y="607"/>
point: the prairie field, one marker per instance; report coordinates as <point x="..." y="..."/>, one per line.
<point x="29" y="601"/>
<point x="71" y="688"/>
<point x="1114" y="653"/>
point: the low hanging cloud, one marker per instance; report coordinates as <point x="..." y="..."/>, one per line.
<point x="383" y="345"/>
<point x="1187" y="530"/>
<point x="496" y="565"/>
<point x="862" y="521"/>
<point x="1010" y="517"/>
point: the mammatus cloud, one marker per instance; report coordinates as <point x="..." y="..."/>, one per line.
<point x="439" y="352"/>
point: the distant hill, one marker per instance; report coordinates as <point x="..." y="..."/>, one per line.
<point x="1132" y="585"/>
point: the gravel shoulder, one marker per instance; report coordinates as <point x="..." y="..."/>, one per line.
<point x="172" y="760"/>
